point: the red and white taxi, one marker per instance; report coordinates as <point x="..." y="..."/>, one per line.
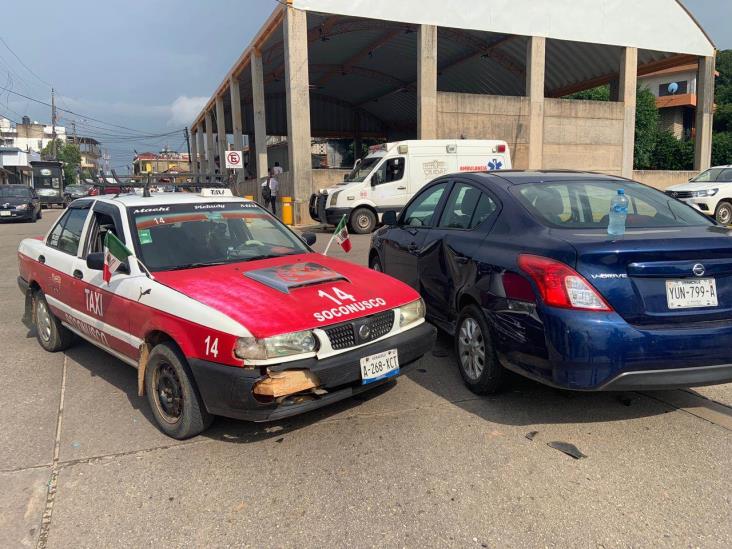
<point x="221" y="308"/>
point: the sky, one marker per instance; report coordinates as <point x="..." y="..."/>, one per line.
<point x="150" y="65"/>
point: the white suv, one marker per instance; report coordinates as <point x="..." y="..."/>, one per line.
<point x="710" y="192"/>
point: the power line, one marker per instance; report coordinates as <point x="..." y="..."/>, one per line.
<point x="72" y="112"/>
<point x="24" y="65"/>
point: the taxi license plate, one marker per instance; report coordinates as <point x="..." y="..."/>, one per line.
<point x="379" y="366"/>
<point x="688" y="294"/>
<point x="5" y="213"/>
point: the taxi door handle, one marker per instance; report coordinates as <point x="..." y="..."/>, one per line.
<point x="78" y="274"/>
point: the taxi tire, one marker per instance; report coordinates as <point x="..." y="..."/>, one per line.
<point x="60" y="337"/>
<point x="492" y="376"/>
<point x="194" y="418"/>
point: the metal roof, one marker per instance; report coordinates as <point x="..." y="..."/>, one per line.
<point x="365" y="68"/>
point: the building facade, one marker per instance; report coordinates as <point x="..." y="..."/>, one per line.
<point x="166" y="161"/>
<point x="28" y="136"/>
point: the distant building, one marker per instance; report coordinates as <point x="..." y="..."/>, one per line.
<point x="28" y="136"/>
<point x="166" y="161"/>
<point x="91" y="153"/>
<point x="15" y="167"/>
<point x="676" y="97"/>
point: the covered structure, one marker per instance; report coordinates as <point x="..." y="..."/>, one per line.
<point x="413" y="69"/>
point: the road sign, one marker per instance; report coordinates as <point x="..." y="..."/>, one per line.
<point x="234" y="160"/>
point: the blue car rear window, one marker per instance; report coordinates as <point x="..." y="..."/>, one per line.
<point x="581" y="204"/>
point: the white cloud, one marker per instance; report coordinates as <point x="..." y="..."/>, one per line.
<point x="184" y="109"/>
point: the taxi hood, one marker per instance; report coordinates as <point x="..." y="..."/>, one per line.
<point x="290" y="293"/>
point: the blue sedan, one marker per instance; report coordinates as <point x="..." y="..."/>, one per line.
<point x="520" y="269"/>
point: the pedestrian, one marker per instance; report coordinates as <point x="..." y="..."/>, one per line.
<point x="277" y="170"/>
<point x="270" y="189"/>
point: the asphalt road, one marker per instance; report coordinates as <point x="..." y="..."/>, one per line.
<point x="423" y="462"/>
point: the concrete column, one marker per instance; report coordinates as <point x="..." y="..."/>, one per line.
<point x="704" y="113"/>
<point x="221" y="135"/>
<point x="236" y="119"/>
<point x="201" y="148"/>
<point x="258" y="161"/>
<point x="297" y="92"/>
<point x="427" y="82"/>
<point x="626" y="90"/>
<point x="535" y="61"/>
<point x="210" y="150"/>
<point x="194" y="152"/>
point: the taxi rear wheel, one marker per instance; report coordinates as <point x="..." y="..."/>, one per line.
<point x="51" y="334"/>
<point x="172" y="394"/>
<point x="477" y="360"/>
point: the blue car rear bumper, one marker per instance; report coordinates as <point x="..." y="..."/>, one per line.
<point x="601" y="351"/>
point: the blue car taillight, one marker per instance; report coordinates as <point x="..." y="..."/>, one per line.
<point x="560" y="285"/>
<point x="518" y="288"/>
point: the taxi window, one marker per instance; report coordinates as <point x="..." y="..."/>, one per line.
<point x="183" y="236"/>
<point x="67" y="232"/>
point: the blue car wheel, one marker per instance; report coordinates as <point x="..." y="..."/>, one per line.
<point x="476" y="356"/>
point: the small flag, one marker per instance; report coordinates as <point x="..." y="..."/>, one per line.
<point x="341" y="235"/>
<point x="115" y="253"/>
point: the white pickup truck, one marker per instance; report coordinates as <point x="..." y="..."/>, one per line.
<point x="392" y="173"/>
<point x="710" y="192"/>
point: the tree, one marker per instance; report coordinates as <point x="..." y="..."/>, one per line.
<point x="722" y="148"/>
<point x="69" y="155"/>
<point x="646" y="128"/>
<point x="601" y="93"/>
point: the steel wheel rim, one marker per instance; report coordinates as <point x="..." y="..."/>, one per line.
<point x="168" y="393"/>
<point x="471" y="348"/>
<point x="725" y="214"/>
<point x="363" y="221"/>
<point x="43" y="321"/>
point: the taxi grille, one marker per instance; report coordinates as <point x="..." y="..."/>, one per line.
<point x="350" y="334"/>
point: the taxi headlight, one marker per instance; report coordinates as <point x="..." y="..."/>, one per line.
<point x="276" y="346"/>
<point x="21" y="207"/>
<point x="411" y="312"/>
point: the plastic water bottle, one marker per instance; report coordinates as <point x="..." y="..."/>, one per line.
<point x="618" y="214"/>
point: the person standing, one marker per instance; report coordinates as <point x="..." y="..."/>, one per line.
<point x="270" y="190"/>
<point x="277" y="170"/>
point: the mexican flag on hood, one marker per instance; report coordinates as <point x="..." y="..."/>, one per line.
<point x="341" y="235"/>
<point x="115" y="253"/>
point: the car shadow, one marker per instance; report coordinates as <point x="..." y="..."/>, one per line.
<point x="526" y="402"/>
<point x="124" y="377"/>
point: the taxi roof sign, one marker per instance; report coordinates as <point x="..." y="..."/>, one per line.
<point x="216" y="191"/>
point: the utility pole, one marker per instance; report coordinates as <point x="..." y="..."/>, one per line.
<point x="188" y="144"/>
<point x="73" y="127"/>
<point x="53" y="123"/>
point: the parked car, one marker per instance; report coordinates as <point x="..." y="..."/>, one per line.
<point x="220" y="307"/>
<point x="520" y="269"/>
<point x="392" y="173"/>
<point x="18" y="202"/>
<point x="710" y="192"/>
<point x="72" y="192"/>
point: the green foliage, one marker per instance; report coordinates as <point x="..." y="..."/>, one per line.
<point x="646" y="128"/>
<point x="601" y="93"/>
<point x="66" y="153"/>
<point x="670" y="153"/>
<point x="722" y="148"/>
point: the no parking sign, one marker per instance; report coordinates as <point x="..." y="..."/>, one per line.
<point x="234" y="160"/>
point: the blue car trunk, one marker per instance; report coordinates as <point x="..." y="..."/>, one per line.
<point x="661" y="276"/>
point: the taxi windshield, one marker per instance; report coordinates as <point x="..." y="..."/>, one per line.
<point x="185" y="236"/>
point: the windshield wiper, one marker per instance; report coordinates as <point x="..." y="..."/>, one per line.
<point x="268" y="256"/>
<point x="195" y="265"/>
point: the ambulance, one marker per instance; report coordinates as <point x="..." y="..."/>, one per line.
<point x="222" y="309"/>
<point x="392" y="173"/>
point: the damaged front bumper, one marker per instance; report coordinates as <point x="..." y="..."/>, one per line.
<point x="228" y="391"/>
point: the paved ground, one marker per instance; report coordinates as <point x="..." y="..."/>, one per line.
<point x="421" y="463"/>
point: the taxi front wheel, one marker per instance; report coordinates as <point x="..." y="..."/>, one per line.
<point x="51" y="334"/>
<point x="172" y="394"/>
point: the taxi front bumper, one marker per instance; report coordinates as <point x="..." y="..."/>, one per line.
<point x="227" y="390"/>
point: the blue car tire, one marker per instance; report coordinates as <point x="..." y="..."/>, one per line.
<point x="476" y="356"/>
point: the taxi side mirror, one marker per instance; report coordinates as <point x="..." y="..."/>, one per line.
<point x="389" y="217"/>
<point x="309" y="238"/>
<point x="95" y="261"/>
